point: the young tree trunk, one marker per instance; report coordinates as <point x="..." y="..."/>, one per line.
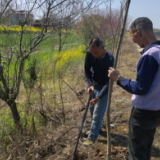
<point x="13" y="106"/>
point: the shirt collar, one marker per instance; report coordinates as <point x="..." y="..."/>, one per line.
<point x="149" y="46"/>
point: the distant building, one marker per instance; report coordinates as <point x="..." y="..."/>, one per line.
<point x="19" y="17"/>
<point x="37" y="23"/>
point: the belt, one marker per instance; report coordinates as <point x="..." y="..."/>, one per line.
<point x="100" y="84"/>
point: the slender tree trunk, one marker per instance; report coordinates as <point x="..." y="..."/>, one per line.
<point x="111" y="81"/>
<point x="13" y="106"/>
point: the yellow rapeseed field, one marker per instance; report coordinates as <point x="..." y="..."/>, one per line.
<point x="18" y="28"/>
<point x="70" y="56"/>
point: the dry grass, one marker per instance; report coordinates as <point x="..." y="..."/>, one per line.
<point x="47" y="137"/>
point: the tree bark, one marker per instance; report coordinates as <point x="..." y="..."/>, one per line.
<point x="13" y="106"/>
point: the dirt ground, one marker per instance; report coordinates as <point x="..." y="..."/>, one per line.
<point x="57" y="140"/>
<point x="121" y="106"/>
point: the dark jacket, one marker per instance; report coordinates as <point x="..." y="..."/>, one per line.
<point x="96" y="71"/>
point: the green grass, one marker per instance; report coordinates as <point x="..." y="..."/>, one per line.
<point x="50" y="41"/>
<point x="45" y="54"/>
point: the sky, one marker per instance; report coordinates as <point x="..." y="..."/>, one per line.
<point x="143" y="8"/>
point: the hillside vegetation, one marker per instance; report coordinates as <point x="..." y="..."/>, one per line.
<point x="42" y="85"/>
<point x="52" y="106"/>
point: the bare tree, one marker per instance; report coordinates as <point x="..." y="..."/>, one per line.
<point x="103" y="23"/>
<point x="21" y="45"/>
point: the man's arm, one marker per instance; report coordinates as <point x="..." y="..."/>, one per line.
<point x="146" y="71"/>
<point x="103" y="91"/>
<point x="87" y="69"/>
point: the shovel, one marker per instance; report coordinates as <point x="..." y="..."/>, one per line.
<point x="80" y="131"/>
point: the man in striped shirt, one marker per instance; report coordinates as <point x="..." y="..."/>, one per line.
<point x="145" y="114"/>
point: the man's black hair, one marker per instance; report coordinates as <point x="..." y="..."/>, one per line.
<point x="142" y="23"/>
<point x="96" y="42"/>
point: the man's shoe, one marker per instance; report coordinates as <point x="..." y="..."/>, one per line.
<point x="88" y="142"/>
<point x="88" y="132"/>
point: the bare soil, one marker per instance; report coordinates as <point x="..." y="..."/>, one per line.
<point x="57" y="140"/>
<point x="120" y="111"/>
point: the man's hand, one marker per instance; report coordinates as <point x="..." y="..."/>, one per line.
<point x="91" y="90"/>
<point x="94" y="101"/>
<point x="113" y="74"/>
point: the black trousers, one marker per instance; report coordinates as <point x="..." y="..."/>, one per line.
<point x="142" y="127"/>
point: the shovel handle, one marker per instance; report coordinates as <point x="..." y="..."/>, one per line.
<point x="80" y="131"/>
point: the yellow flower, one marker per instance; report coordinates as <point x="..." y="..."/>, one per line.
<point x="69" y="56"/>
<point x="18" y="28"/>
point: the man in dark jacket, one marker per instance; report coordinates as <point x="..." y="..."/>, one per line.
<point x="145" y="114"/>
<point x="97" y="63"/>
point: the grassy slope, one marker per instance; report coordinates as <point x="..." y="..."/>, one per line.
<point x="47" y="139"/>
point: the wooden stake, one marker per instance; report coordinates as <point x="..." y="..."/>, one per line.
<point x="111" y="82"/>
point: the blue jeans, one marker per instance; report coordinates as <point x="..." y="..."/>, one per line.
<point x="97" y="113"/>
